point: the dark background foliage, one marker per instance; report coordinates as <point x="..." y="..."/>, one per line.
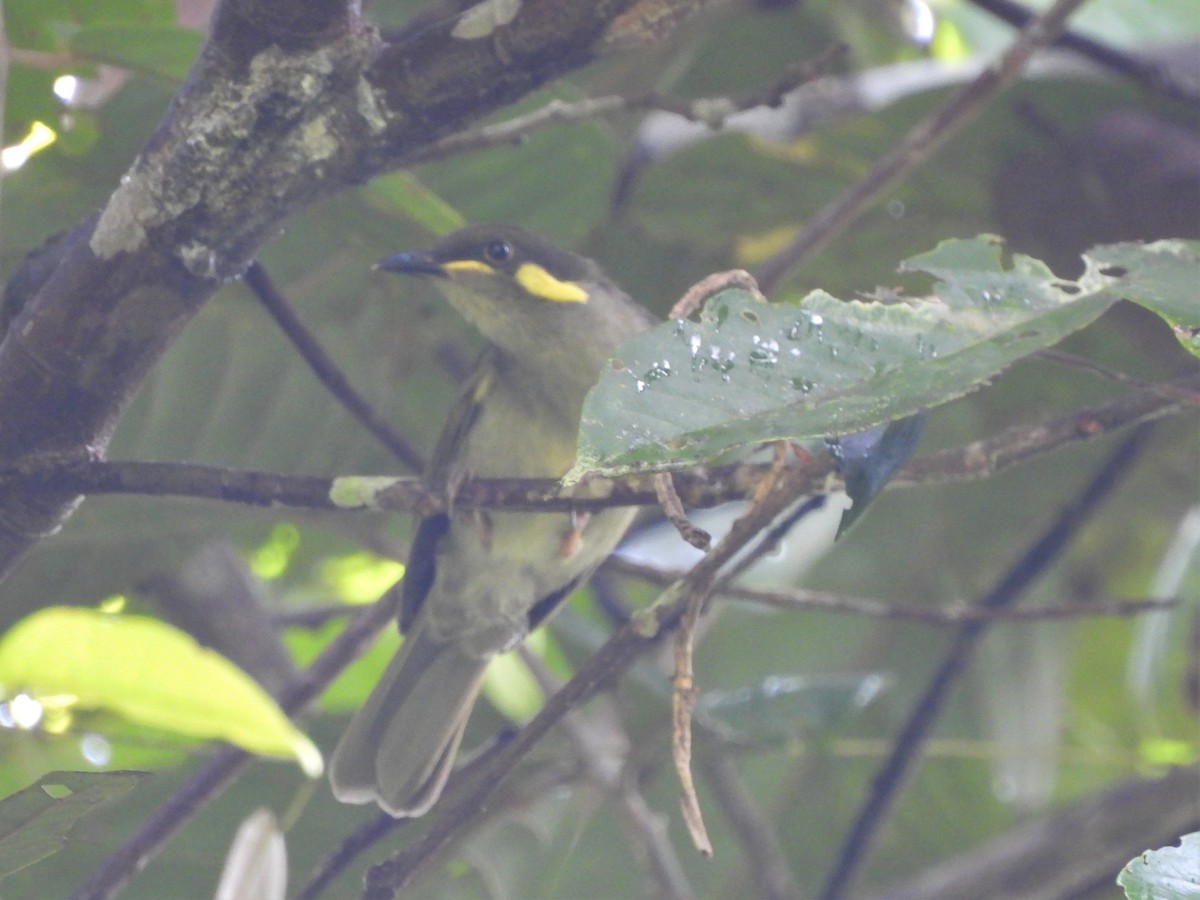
<point x="1049" y="713"/>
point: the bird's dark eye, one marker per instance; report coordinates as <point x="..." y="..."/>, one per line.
<point x="497" y="251"/>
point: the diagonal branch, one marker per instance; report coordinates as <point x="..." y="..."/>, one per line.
<point x="906" y="749"/>
<point x="917" y="146"/>
<point x="326" y="370"/>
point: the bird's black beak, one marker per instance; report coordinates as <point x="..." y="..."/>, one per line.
<point x="416" y="263"/>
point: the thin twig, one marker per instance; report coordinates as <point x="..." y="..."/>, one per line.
<point x="948" y="615"/>
<point x="672" y="507"/>
<point x="1023" y="443"/>
<point x="917" y="146"/>
<point x="699" y="486"/>
<point x="683" y="682"/>
<point x="227" y="762"/>
<point x="766" y="863"/>
<point x="683" y="702"/>
<point x="1063" y="358"/>
<point x="695" y="296"/>
<point x="1040" y="554"/>
<point x="354" y="845"/>
<point x="1143" y="71"/>
<point x="712" y="111"/>
<point x="326" y="370"/>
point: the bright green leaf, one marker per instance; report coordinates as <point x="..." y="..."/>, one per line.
<point x="150" y="673"/>
<point x="34" y="822"/>
<point x="751" y="371"/>
<point x="1171" y="873"/>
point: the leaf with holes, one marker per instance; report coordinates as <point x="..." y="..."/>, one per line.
<point x="750" y="371"/>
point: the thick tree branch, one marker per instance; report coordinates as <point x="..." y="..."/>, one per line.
<point x="287" y="103"/>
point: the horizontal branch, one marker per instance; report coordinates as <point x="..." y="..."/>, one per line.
<point x="697" y="487"/>
<point x="947" y="615"/>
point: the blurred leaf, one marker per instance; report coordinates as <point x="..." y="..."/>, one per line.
<point x="41" y="24"/>
<point x="96" y="659"/>
<point x="1161" y="277"/>
<point x="34" y="822"/>
<point x="1171" y="873"/>
<point x="166" y="50"/>
<point x="556" y="182"/>
<point x="257" y="863"/>
<point x="404" y="192"/>
<point x="784" y="705"/>
<point x="751" y="371"/>
<point x="511" y="687"/>
<point x="348" y="690"/>
<point x="29" y="97"/>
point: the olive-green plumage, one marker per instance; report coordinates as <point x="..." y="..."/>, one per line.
<point x="477" y="582"/>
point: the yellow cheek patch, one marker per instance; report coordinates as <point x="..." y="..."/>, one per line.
<point x="542" y="284"/>
<point x="468" y="265"/>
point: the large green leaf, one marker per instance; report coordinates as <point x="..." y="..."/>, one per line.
<point x="82" y="656"/>
<point x="751" y="371"/>
<point x="34" y="822"/>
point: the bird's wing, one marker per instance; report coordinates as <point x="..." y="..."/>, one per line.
<point x="421" y="568"/>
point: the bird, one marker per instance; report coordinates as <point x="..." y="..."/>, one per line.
<point x="478" y="581"/>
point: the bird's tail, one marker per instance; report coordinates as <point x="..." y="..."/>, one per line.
<point x="401" y="745"/>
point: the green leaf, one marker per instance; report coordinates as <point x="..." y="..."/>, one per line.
<point x="781" y="706"/>
<point x="34" y="822"/>
<point x="150" y="673"/>
<point x="41" y="24"/>
<point x="751" y="371"/>
<point x="1171" y="873"/>
<point x="405" y="193"/>
<point x="166" y="50"/>
<point x="1161" y="277"/>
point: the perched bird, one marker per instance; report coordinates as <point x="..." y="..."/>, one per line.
<point x="478" y="581"/>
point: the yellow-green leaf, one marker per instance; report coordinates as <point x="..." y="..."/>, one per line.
<point x="150" y="673"/>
